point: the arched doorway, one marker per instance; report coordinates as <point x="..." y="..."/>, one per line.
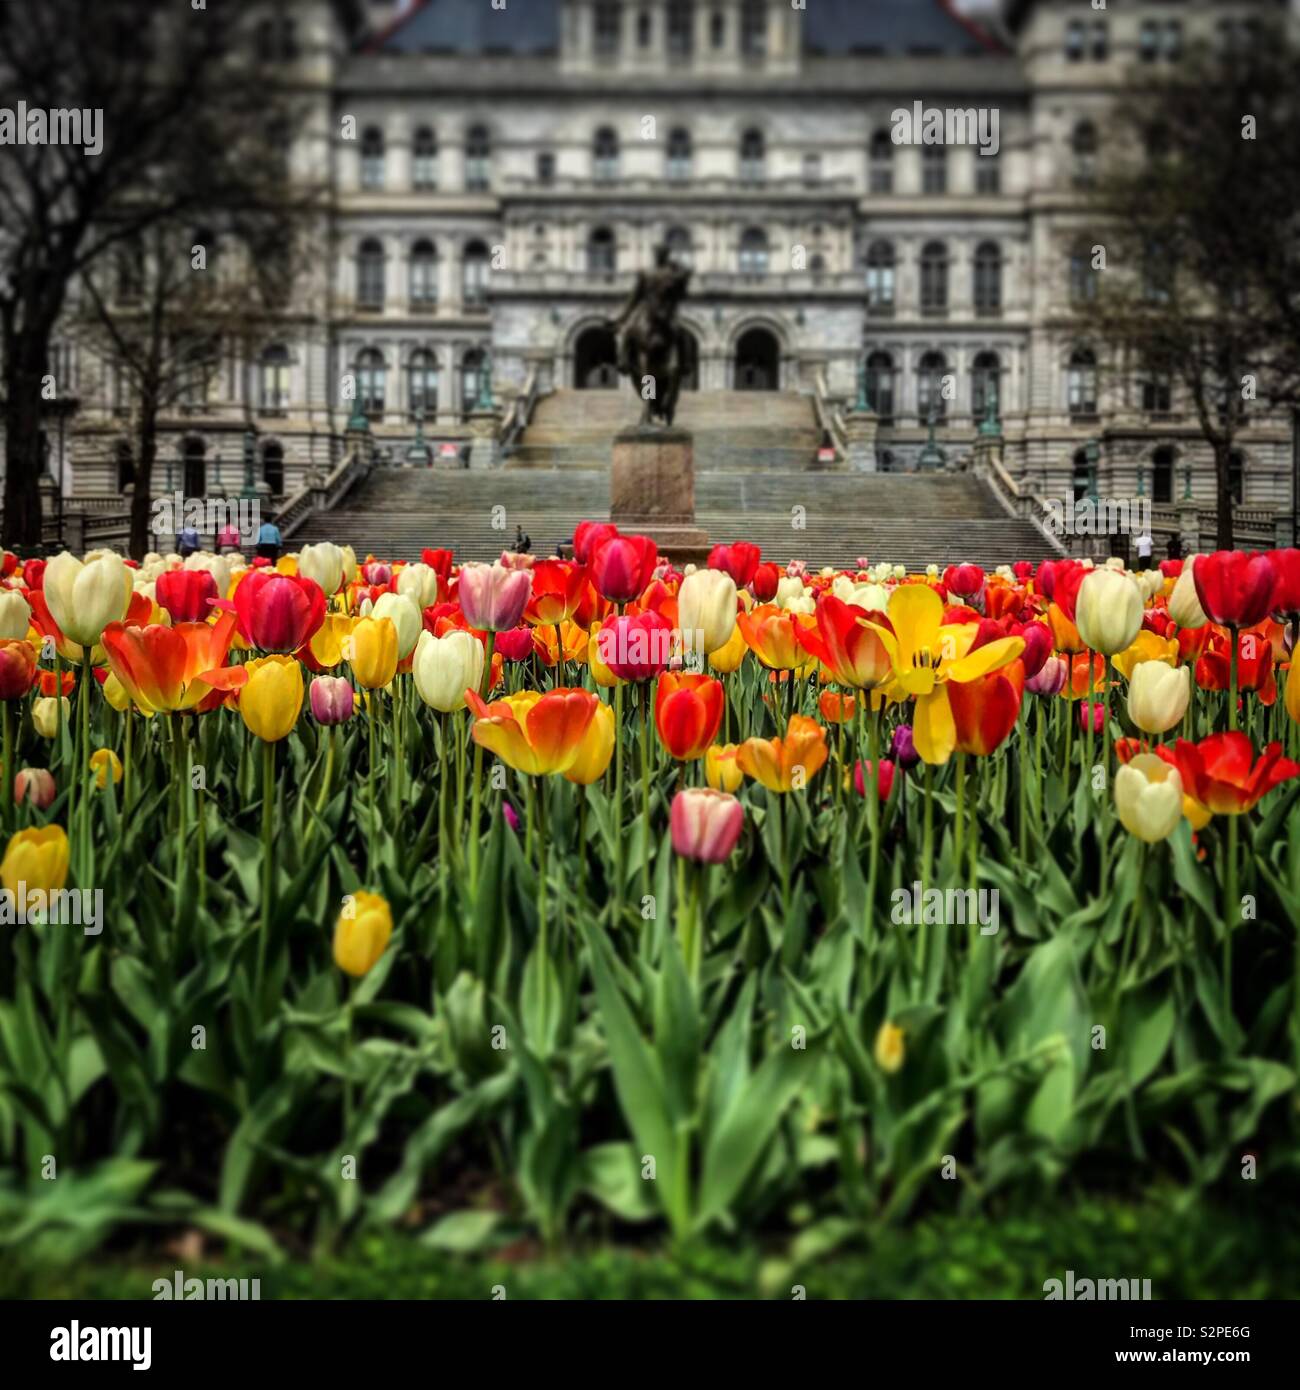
<point x="595" y="360"/>
<point x="758" y="361"/>
<point x="195" y="468"/>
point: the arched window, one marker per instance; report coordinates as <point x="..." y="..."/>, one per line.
<point x="471" y="374"/>
<point x="1083" y="277"/>
<point x="604" y="155"/>
<point x="1080" y="475"/>
<point x="1083" y="146"/>
<point x="934" y="169"/>
<point x="273" y="376"/>
<point x="424" y="159"/>
<point x="474" y="275"/>
<point x="753" y="156"/>
<point x="478" y="159"/>
<point x="678" y="241"/>
<point x="273" y="466"/>
<point x="930" y="372"/>
<point x="1162" y="476"/>
<point x="986" y="376"/>
<point x="602" y="252"/>
<point x="988" y="278"/>
<point x="934" y="278"/>
<point x="681" y="28"/>
<point x="753" y="251"/>
<point x="424" y="274"/>
<point x="882" y="163"/>
<point x="370" y="274"/>
<point x="422" y="383"/>
<point x="607" y="29"/>
<point x="125" y="461"/>
<point x="1081" y="382"/>
<point x="880" y="278"/>
<point x="372" y="383"/>
<point x="880" y="385"/>
<point x="372" y="158"/>
<point x="679" y="154"/>
<point x="753" y="29"/>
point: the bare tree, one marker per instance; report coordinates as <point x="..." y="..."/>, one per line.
<point x="186" y="119"/>
<point x="1196" y="206"/>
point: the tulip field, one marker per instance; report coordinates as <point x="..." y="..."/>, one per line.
<point x="556" y="903"/>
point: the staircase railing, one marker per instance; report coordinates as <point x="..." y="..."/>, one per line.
<point x="521" y="412"/>
<point x="830" y="418"/>
<point x="1017" y="501"/>
<point x="322" y="496"/>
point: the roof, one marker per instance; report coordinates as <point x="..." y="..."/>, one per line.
<point x="829" y="27"/>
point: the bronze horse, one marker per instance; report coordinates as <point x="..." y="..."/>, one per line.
<point x="652" y="349"/>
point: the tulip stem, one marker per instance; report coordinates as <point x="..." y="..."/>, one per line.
<point x="476" y="793"/>
<point x="645" y="789"/>
<point x="268" y="878"/>
<point x="1231" y="907"/>
<point x="927" y="859"/>
<point x="618" y="802"/>
<point x="348" y="1008"/>
<point x="1232" y="681"/>
<point x="7" y="791"/>
<point x="371" y="817"/>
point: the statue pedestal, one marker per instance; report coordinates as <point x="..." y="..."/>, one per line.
<point x="860" y="429"/>
<point x="652" y="491"/>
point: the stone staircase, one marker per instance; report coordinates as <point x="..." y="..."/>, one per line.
<point x="824" y="518"/>
<point x="739" y="431"/>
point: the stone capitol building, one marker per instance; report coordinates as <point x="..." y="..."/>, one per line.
<point x="499" y="170"/>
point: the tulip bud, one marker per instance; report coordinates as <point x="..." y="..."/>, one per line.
<point x="332" y="700"/>
<point x="403" y="613"/>
<point x="884" y="781"/>
<point x="1108" y="611"/>
<point x="371" y="650"/>
<point x="902" y="748"/>
<point x="1158" y="696"/>
<point x="721" y="770"/>
<point x="1149" y="797"/>
<point x="705" y="824"/>
<point x="1050" y="679"/>
<point x="445" y="667"/>
<point x="34" y="785"/>
<point x="15" y="614"/>
<point x="84" y="599"/>
<point x="362" y="933"/>
<point x="324" y="564"/>
<point x="492" y="597"/>
<point x="1184" y="605"/>
<point x="105" y="763"/>
<point x="271" y="698"/>
<point x="706" y="609"/>
<point x="419" y="583"/>
<point x="36" y="860"/>
<point x="889" y="1050"/>
<point x="45" y="717"/>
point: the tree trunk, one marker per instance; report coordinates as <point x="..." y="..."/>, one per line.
<point x="1223" y="495"/>
<point x="22" y="434"/>
<point x="143" y="539"/>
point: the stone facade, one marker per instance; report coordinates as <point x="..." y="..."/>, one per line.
<point x="499" y="173"/>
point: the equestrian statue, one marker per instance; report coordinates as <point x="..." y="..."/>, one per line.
<point x="652" y="345"/>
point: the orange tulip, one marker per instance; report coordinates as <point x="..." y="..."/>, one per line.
<point x="769" y="632"/>
<point x="1065" y="636"/>
<point x="173" y="668"/>
<point x="985" y="710"/>
<point x="837" y="708"/>
<point x="533" y="733"/>
<point x="688" y="713"/>
<point x="785" y="764"/>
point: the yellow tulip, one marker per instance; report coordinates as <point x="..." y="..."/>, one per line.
<point x="36" y="859"/>
<point x="728" y="657"/>
<point x="721" y="770"/>
<point x="1292" y="700"/>
<point x="604" y="677"/>
<point x="362" y="933"/>
<point x="105" y="763"/>
<point x="45" y="717"/>
<point x="371" y="650"/>
<point x="596" y="749"/>
<point x="1146" y="646"/>
<point x="271" y="699"/>
<point x="326" y="643"/>
<point x="889" y="1049"/>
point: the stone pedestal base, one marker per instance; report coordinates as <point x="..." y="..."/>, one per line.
<point x="860" y="437"/>
<point x="652" y="491"/>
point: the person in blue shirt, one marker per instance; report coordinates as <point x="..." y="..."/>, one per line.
<point x="187" y="542"/>
<point x="268" y="541"/>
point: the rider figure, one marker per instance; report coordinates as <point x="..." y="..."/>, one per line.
<point x="653" y="302"/>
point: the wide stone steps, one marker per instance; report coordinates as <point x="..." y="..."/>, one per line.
<point x="827" y="519"/>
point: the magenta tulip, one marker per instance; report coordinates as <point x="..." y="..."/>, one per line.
<point x="332" y="700"/>
<point x="492" y="597"/>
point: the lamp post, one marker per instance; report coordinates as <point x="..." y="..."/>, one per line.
<point x="1092" y="452"/>
<point x="932" y="456"/>
<point x="249" y="493"/>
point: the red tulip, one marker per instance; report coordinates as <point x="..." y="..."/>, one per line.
<point x="1038" y="645"/>
<point x="740" y="561"/>
<point x="688" y="714"/>
<point x="1286" y="582"/>
<point x="1094" y="713"/>
<point x="763" y="585"/>
<point x="17" y="667"/>
<point x="439" y="561"/>
<point x="1023" y="570"/>
<point x="515" y="644"/>
<point x="1218" y="773"/>
<point x="1171" y="569"/>
<point x="186" y="594"/>
<point x="622" y="567"/>
<point x="636" y="646"/>
<point x="1235" y="587"/>
<point x="589" y="537"/>
<point x="278" y="612"/>
<point x="844" y="643"/>
<point x="557" y="590"/>
<point x="34" y="573"/>
<point x="884" y="781"/>
<point x="985" y="710"/>
<point x="966" y="580"/>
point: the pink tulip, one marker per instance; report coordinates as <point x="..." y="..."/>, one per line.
<point x="884" y="783"/>
<point x="35" y="786"/>
<point x="1050" y="679"/>
<point x="377" y="573"/>
<point x="331" y="700"/>
<point x="1098" y="712"/>
<point x="492" y="597"/>
<point x="705" y="824"/>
